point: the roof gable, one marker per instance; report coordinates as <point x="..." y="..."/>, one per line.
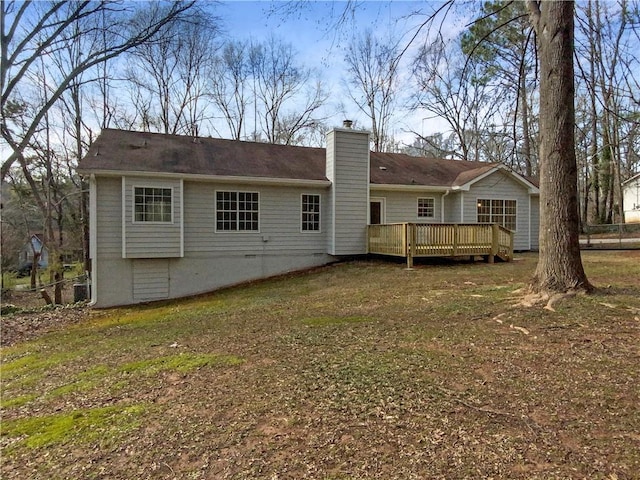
<point x="466" y="179"/>
<point x="402" y="169"/>
<point x="632" y="179"/>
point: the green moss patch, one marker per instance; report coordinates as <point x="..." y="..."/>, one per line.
<point x="183" y="363"/>
<point x="16" y="402"/>
<point x="32" y="362"/>
<point x="79" y="425"/>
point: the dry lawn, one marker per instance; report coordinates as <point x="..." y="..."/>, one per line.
<point x="359" y="370"/>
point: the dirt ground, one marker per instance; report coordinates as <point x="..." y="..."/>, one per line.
<point x="363" y="370"/>
<point x="39" y="318"/>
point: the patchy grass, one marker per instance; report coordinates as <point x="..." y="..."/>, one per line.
<point x="182" y="363"/>
<point x="324" y="321"/>
<point x="360" y="370"/>
<point x="82" y="425"/>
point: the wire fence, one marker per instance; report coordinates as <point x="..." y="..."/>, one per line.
<point x="611" y="236"/>
<point x="612" y="229"/>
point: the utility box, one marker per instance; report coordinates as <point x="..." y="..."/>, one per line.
<point x="80" y="293"/>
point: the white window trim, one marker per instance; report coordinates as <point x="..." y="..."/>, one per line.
<point x="133" y="204"/>
<point x="503" y="200"/>
<point x="319" y="214"/>
<point x="235" y="232"/>
<point x="432" y="217"/>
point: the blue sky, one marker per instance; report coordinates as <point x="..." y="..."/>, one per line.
<point x="307" y="26"/>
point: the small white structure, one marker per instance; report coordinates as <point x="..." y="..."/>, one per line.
<point x="172" y="216"/>
<point x="631" y="194"/>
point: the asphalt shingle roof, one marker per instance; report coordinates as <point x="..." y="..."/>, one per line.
<point x="126" y="151"/>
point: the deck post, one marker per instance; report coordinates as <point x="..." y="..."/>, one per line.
<point x="495" y="242"/>
<point x="456" y="233"/>
<point x="404" y="240"/>
<point x="511" y="246"/>
<point x="410" y="243"/>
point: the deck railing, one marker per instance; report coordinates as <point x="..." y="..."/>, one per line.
<point x="412" y="240"/>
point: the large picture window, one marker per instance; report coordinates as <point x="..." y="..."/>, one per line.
<point x="426" y="208"/>
<point x="152" y="204"/>
<point x="310" y="213"/>
<point x="237" y="211"/>
<point x="502" y="212"/>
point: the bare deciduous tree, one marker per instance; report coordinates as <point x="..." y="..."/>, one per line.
<point x="288" y="100"/>
<point x="607" y="59"/>
<point x="500" y="45"/>
<point x="229" y="85"/>
<point x="173" y="89"/>
<point x="30" y="30"/>
<point x="372" y="66"/>
<point x="447" y="90"/>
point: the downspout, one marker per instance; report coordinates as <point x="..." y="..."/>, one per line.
<point x="93" y="240"/>
<point x="529" y="226"/>
<point x="442" y="205"/>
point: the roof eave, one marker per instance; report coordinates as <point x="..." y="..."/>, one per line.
<point x="408" y="188"/>
<point x="629" y="180"/>
<point x="289" y="182"/>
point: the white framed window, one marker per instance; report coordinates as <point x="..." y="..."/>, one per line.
<point x="426" y="207"/>
<point x="310" y="207"/>
<point x="237" y="211"/>
<point x="502" y="212"/>
<point x="152" y="205"/>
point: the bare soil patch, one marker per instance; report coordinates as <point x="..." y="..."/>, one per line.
<point x="31" y="316"/>
<point x="360" y="370"/>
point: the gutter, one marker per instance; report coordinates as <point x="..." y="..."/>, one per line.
<point x="93" y="240"/>
<point x="442" y="206"/>
<point x="292" y="182"/>
<point x="406" y="188"/>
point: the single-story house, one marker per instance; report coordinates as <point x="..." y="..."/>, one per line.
<point x="631" y="199"/>
<point x="173" y="216"/>
<point x="34" y="245"/>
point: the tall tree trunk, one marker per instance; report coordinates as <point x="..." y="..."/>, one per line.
<point x="585" y="205"/>
<point x="526" y="137"/>
<point x="559" y="266"/>
<point x="595" y="162"/>
<point x="595" y="157"/>
<point x="607" y="172"/>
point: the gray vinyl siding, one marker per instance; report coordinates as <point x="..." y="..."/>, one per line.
<point x="403" y="206"/>
<point x="452" y="208"/>
<point x="348" y="170"/>
<point x="500" y="186"/>
<point x="152" y="240"/>
<point x="535" y="222"/>
<point x="279" y="219"/>
<point x="109" y="217"/>
<point x="111" y="274"/>
<point x="211" y="259"/>
<point x="150" y="279"/>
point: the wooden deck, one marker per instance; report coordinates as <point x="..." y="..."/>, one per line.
<point x="412" y="240"/>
